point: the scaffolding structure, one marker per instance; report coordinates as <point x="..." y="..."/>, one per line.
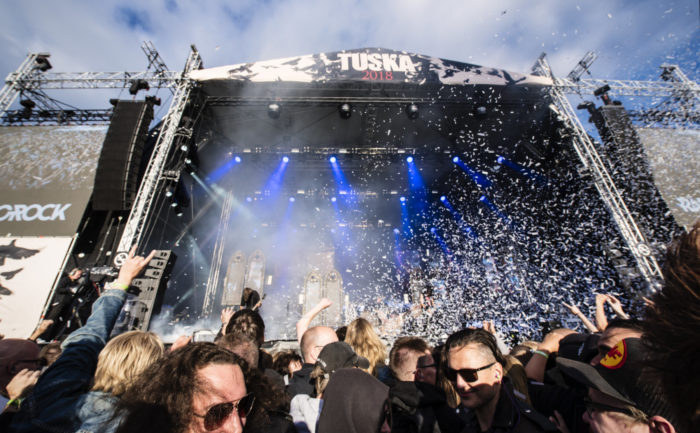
<point x="32" y="77"/>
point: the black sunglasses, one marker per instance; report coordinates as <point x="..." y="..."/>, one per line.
<point x="468" y="374"/>
<point x="217" y="414"/>
<point x="592" y="406"/>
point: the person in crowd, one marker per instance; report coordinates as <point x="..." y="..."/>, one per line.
<point x="16" y="355"/>
<point x="200" y="387"/>
<point x="54" y="402"/>
<point x="672" y="330"/>
<point x="305" y="409"/>
<point x="250" y="299"/>
<point x="355" y="402"/>
<point x="362" y="337"/>
<point x="286" y="363"/>
<point x="616" y="330"/>
<point x="118" y="366"/>
<point x="251" y="323"/>
<point x="50" y="352"/>
<point x="404" y="355"/>
<point x="242" y="345"/>
<point x="312" y="342"/>
<point x="524" y="351"/>
<point x="601" y="320"/>
<point x="426" y="369"/>
<point x="621" y="396"/>
<point x="475" y="367"/>
<point x="60" y="311"/>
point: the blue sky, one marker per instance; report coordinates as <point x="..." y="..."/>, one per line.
<point x="632" y="37"/>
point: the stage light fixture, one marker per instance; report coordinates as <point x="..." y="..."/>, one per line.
<point x="27" y="103"/>
<point x="482" y="198"/>
<point x="433" y="229"/>
<point x="443" y="198"/>
<point x="285" y="159"/>
<point x="273" y="110"/>
<point x="184" y="148"/>
<point x="169" y="192"/>
<point x="345" y="110"/>
<point x="480" y="111"/>
<point x="396" y="231"/>
<point x="137" y="85"/>
<point x="333" y="199"/>
<point x="412" y="111"/>
<point x="333" y="159"/>
<point x="188" y="161"/>
<point x="173" y="204"/>
<point x="402" y="199"/>
<point x="455" y="159"/>
<point x="409" y="159"/>
<point x="113" y="101"/>
<point x="500" y="159"/>
<point x="179" y="214"/>
<point x="153" y="100"/>
<point x="248" y="199"/>
<point x="292" y="199"/>
<point x="237" y="159"/>
<point x="42" y="62"/>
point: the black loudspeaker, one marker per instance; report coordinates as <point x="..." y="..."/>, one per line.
<point x="117" y="175"/>
<point x="146" y="294"/>
<point x="632" y="174"/>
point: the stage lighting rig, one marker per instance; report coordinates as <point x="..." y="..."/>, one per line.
<point x="345" y="110"/>
<point x="153" y="100"/>
<point x="137" y="85"/>
<point x="273" y="110"/>
<point x="42" y="62"/>
<point x="412" y="111"/>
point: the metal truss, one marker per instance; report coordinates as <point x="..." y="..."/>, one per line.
<point x="172" y="128"/>
<point x="24" y="78"/>
<point x="621" y="87"/>
<point x="593" y="163"/>
<point x="97" y="80"/>
<point x="156" y="62"/>
<point x="56" y="117"/>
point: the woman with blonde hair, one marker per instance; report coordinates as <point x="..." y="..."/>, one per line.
<point x="118" y="365"/>
<point x="364" y="340"/>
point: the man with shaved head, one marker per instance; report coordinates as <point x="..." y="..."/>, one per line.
<point x="312" y="342"/>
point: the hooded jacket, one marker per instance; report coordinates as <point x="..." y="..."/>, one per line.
<point x="353" y="402"/>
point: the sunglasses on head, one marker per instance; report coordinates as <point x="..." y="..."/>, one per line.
<point x="219" y="413"/>
<point x="468" y="374"/>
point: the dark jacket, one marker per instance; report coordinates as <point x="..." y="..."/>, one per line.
<point x="54" y="403"/>
<point x="300" y="383"/>
<point x="353" y="402"/>
<point x="418" y="407"/>
<point x="512" y="416"/>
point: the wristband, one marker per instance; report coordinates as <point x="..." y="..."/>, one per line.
<point x="116" y="285"/>
<point x="539" y="352"/>
<point x="14" y="402"/>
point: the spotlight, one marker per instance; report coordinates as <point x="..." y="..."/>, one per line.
<point x="412" y="111"/>
<point x="184" y="148"/>
<point x="273" y="110"/>
<point x="42" y="62"/>
<point x="482" y="198"/>
<point x="173" y="204"/>
<point x="500" y="159"/>
<point x="188" y="161"/>
<point x="433" y="229"/>
<point x="409" y="159"/>
<point x="292" y="199"/>
<point x="27" y="103"/>
<point x="443" y="198"/>
<point x="480" y="110"/>
<point x="248" y="199"/>
<point x="179" y="214"/>
<point x="455" y="159"/>
<point x="153" y="100"/>
<point x="333" y="199"/>
<point x="396" y="231"/>
<point x="403" y="199"/>
<point x="137" y="85"/>
<point x="237" y="159"/>
<point x="333" y="159"/>
<point x="169" y="192"/>
<point x="285" y="159"/>
<point x="345" y="110"/>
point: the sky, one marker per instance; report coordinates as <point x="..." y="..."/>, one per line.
<point x="632" y="37"/>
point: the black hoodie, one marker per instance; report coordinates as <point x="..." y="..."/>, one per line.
<point x="353" y="402"/>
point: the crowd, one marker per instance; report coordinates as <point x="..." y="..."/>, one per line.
<point x="623" y="375"/>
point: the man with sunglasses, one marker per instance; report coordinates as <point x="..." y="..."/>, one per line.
<point x="475" y="369"/>
<point x="622" y="397"/>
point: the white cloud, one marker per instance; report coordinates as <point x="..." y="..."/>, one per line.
<point x="97" y="36"/>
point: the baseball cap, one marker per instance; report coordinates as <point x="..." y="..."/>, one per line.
<point x="17" y="354"/>
<point x="620" y="374"/>
<point x="339" y="354"/>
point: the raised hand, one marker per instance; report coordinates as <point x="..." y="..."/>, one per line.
<point x="133" y="266"/>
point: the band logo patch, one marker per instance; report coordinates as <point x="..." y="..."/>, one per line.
<point x="616" y="357"/>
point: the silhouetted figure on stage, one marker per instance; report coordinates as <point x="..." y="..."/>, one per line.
<point x="72" y="291"/>
<point x="250" y="299"/>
